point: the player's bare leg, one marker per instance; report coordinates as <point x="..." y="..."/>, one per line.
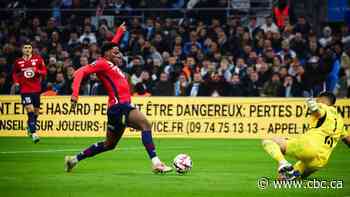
<point x="32" y="118"/>
<point x="276" y="148"/>
<point x="112" y="139"/>
<point x="138" y="120"/>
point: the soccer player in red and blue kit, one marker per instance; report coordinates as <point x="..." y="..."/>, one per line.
<point x="120" y="112"/>
<point x="28" y="71"/>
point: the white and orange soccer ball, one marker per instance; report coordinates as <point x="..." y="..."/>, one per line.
<point x="182" y="163"/>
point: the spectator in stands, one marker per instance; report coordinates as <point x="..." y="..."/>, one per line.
<point x="299" y="45"/>
<point x="69" y="79"/>
<point x="264" y="72"/>
<point x="51" y="26"/>
<point x="217" y="86"/>
<point x="326" y="38"/>
<point x="272" y="87"/>
<point x="73" y="41"/>
<point x="196" y="87"/>
<point x="181" y="86"/>
<point x="253" y="85"/>
<point x="163" y="87"/>
<point x="49" y="91"/>
<point x="289" y="88"/>
<point x="88" y="36"/>
<point x="92" y="85"/>
<point x="59" y="84"/>
<point x="269" y="25"/>
<point x="148" y="29"/>
<point x="225" y="69"/>
<point x="240" y="68"/>
<point x="253" y="26"/>
<point x="192" y="43"/>
<point x="236" y="86"/>
<point x="286" y="51"/>
<point x="140" y="90"/>
<point x="146" y="81"/>
<point x="302" y="26"/>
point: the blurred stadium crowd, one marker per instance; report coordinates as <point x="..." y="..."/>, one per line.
<point x="167" y="56"/>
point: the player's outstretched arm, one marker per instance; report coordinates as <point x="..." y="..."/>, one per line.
<point x="83" y="72"/>
<point x="119" y="33"/>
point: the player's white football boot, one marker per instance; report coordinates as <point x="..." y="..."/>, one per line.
<point x="69" y="163"/>
<point x="35" y="138"/>
<point x="161" y="168"/>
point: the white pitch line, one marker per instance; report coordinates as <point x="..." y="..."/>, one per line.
<point x="76" y="150"/>
<point x="37" y="151"/>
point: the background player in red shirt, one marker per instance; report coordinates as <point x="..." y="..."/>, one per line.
<point x="120" y="112"/>
<point x="27" y="74"/>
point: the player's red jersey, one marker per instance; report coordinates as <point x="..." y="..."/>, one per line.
<point x="112" y="78"/>
<point x="29" y="73"/>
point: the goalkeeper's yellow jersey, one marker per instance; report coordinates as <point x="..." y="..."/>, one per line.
<point x="327" y="130"/>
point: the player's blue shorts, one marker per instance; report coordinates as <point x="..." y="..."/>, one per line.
<point x="31" y="99"/>
<point x="117" y="116"/>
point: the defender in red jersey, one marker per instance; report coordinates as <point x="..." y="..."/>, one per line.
<point x="120" y="112"/>
<point x="27" y="74"/>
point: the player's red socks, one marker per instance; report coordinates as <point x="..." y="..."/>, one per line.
<point x="31" y="122"/>
<point x="92" y="150"/>
<point x="148" y="143"/>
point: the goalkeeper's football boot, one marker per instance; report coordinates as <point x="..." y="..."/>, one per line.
<point x="69" y="163"/>
<point x="295" y="175"/>
<point x="161" y="168"/>
<point x="287" y="172"/>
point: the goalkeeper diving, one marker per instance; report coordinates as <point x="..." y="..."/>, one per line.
<point x="313" y="149"/>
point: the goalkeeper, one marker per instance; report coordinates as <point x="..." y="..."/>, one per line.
<point x="313" y="149"/>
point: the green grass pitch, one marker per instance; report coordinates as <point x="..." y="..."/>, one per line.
<point x="221" y="167"/>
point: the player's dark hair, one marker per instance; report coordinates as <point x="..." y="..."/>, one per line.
<point x="26" y="43"/>
<point x="330" y="96"/>
<point x="107" y="46"/>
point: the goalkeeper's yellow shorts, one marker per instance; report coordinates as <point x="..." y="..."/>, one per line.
<point x="306" y="151"/>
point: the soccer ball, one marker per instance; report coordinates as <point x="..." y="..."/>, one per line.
<point x="182" y="163"/>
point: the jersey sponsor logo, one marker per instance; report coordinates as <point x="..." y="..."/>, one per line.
<point x="28" y="73"/>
